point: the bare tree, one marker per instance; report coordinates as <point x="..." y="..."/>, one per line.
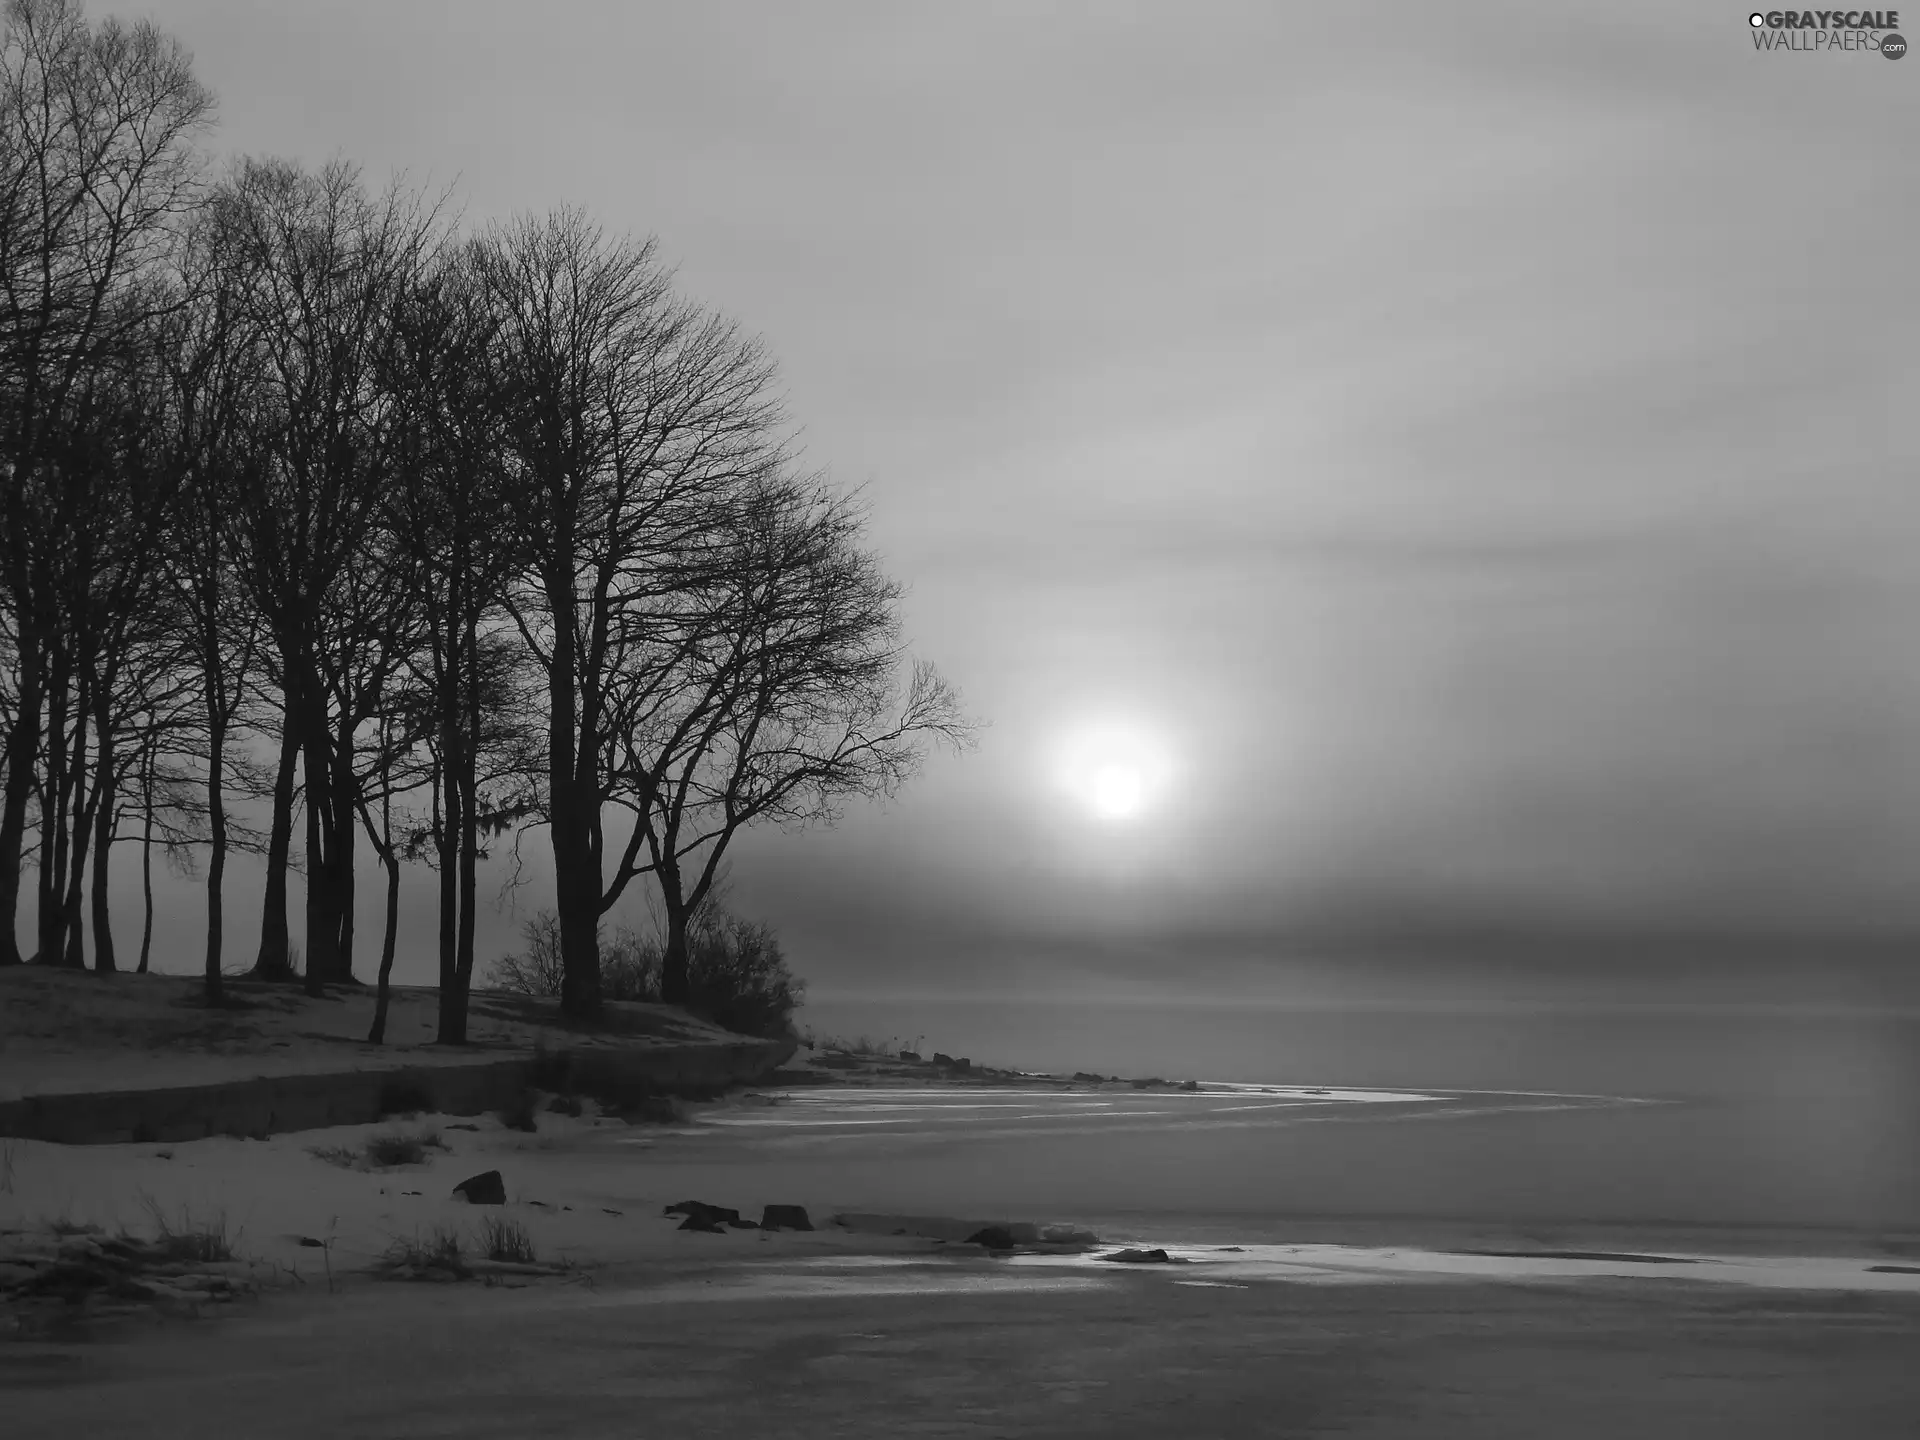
<point x="323" y="266"/>
<point x="218" y="446"/>
<point x="781" y="702"/>
<point x="450" y="513"/>
<point x="96" y="164"/>
<point x="632" y="418"/>
<point x="107" y="485"/>
<point x="149" y="706"/>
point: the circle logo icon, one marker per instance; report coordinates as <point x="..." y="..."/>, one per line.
<point x="1893" y="46"/>
<point x="1756" y="19"/>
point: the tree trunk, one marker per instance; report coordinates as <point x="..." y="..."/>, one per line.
<point x="323" y="911"/>
<point x="579" y="910"/>
<point x="53" y="810"/>
<point x="214" y="986"/>
<point x="467" y="780"/>
<point x="451" y="800"/>
<point x="23" y="745"/>
<point x="675" y="988"/>
<point x="274" y="962"/>
<point x="103" y="824"/>
<point x="391" y="859"/>
<point x="79" y="818"/>
<point x="446" y="804"/>
<point x="341" y="845"/>
<point x="72" y="921"/>
<point x="323" y="924"/>
<point x="469" y="851"/>
<point x="576" y="882"/>
<point x="146" y="857"/>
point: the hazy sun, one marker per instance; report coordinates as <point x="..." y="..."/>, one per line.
<point x="1115" y="771"/>
<point x="1115" y="791"/>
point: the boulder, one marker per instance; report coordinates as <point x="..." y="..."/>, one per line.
<point x="702" y="1216"/>
<point x="912" y="1057"/>
<point x="785" y="1217"/>
<point x="1139" y="1257"/>
<point x="940" y="1059"/>
<point x="486" y="1188"/>
<point x="993" y="1237"/>
<point x="703" y="1223"/>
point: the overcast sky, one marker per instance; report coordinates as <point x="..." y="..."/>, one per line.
<point x="1475" y="442"/>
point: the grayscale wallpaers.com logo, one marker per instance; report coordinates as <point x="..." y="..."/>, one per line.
<point x="1831" y="30"/>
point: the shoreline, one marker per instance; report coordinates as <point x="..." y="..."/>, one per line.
<point x="854" y="1331"/>
<point x="588" y="1192"/>
<point x="586" y="1188"/>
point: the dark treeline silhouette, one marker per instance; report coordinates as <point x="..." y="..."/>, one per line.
<point x="314" y="500"/>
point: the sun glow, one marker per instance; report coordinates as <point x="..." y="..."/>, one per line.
<point x="1116" y="772"/>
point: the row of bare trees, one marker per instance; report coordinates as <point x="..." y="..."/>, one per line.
<point x="392" y="531"/>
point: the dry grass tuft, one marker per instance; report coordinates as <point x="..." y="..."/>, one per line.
<point x="382" y="1152"/>
<point x="441" y="1255"/>
<point x="396" y="1148"/>
<point x="507" y="1240"/>
<point x="189" y="1240"/>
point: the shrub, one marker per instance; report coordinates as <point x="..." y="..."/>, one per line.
<point x="629" y="967"/>
<point x="736" y="974"/>
<point x="537" y="969"/>
<point x="386" y="1151"/>
<point x="629" y="963"/>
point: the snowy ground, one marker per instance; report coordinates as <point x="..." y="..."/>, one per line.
<point x="64" y="1031"/>
<point x="892" y="1326"/>
<point x="926" y="1161"/>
